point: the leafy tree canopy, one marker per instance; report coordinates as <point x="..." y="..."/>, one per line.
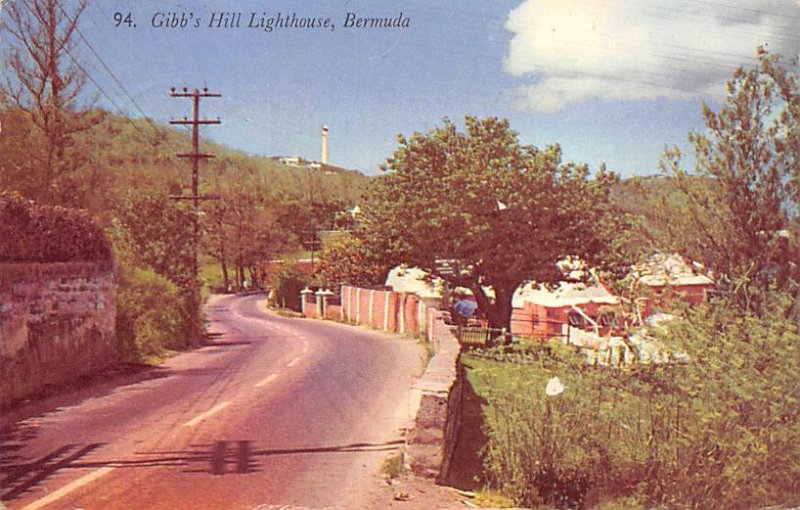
<point x="343" y="262"/>
<point x="500" y="212"/>
<point x="742" y="197"/>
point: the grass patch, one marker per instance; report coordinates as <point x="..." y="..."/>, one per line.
<point x="155" y="360"/>
<point x="286" y="312"/>
<point x="492" y="499"/>
<point x="556" y="451"/>
<point x="210" y="273"/>
<point x="393" y="467"/>
<point x="427" y="347"/>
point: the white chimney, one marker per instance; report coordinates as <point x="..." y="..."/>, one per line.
<point x="324" y="156"/>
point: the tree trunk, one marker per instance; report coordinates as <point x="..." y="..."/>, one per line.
<point x="501" y="310"/>
<point x="226" y="282"/>
<point x="254" y="277"/>
<point x="498" y="313"/>
<point x="219" y="214"/>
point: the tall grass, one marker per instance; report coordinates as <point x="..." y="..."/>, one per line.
<point x="722" y="431"/>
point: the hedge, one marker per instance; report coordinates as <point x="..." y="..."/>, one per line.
<point x="41" y="233"/>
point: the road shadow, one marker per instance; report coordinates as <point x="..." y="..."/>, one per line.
<point x="18" y="426"/>
<point x="102" y="383"/>
<point x="98" y="384"/>
<point x="466" y="471"/>
<point x="242" y="456"/>
<point x="231" y="457"/>
<point x="20" y="476"/>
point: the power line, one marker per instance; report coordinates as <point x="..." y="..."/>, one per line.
<point x="85" y="72"/>
<point x="117" y="81"/>
<point x="106" y="67"/>
<point x="748" y="9"/>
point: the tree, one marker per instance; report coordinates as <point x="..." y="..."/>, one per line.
<point x="344" y="262"/>
<point x="483" y="211"/>
<point x="244" y="228"/>
<point x="255" y="233"/>
<point x="216" y="241"/>
<point x="742" y="196"/>
<point x="153" y="238"/>
<point x="46" y="82"/>
<point x="157" y="233"/>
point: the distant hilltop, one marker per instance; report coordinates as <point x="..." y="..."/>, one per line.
<point x="301" y="162"/>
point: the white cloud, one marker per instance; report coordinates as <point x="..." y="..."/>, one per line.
<point x="576" y="50"/>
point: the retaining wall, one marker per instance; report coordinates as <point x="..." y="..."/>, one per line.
<point x="56" y="324"/>
<point x="432" y="439"/>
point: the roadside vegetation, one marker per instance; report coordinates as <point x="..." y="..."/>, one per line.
<point x="720" y="430"/>
<point x="392" y="467"/>
<point x="479" y="209"/>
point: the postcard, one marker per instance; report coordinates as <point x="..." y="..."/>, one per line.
<point x="263" y="254"/>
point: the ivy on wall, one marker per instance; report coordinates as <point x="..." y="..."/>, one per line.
<point x="41" y="233"/>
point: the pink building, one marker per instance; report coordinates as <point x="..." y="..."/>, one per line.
<point x="542" y="313"/>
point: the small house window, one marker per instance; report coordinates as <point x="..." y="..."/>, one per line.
<point x="608" y="319"/>
<point x="576" y="320"/>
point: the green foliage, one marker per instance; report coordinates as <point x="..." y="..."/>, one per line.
<point x="119" y="154"/>
<point x="392" y="467"/>
<point x="243" y="228"/>
<point x="738" y="203"/>
<point x="286" y="283"/>
<point x="736" y="422"/>
<point x="153" y="233"/>
<point x="156" y="232"/>
<point x="719" y="432"/>
<point x="34" y="233"/>
<point x="504" y="213"/>
<point x="546" y="450"/>
<point x="150" y="318"/>
<point x="343" y="262"/>
<point x="492" y="499"/>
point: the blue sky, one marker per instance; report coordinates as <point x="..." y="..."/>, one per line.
<point x="612" y="81"/>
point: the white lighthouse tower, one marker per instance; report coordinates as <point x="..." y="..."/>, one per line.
<point x="324" y="153"/>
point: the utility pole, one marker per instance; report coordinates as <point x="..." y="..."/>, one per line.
<point x="195" y="156"/>
<point x="314" y="244"/>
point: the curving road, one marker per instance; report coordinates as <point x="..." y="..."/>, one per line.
<point x="274" y="411"/>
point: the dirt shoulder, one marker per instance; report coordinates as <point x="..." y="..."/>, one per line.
<point x="409" y="492"/>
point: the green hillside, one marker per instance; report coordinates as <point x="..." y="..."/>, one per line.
<point x="117" y="154"/>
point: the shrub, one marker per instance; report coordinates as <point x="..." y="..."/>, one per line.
<point x="731" y="438"/>
<point x="561" y="450"/>
<point x="150" y="314"/>
<point x="287" y="282"/>
<point x="35" y="233"/>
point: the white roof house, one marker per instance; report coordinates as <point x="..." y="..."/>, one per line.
<point x="416" y="281"/>
<point x="565" y="295"/>
<point x="662" y="270"/>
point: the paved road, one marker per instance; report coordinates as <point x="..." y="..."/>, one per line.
<point x="274" y="411"/>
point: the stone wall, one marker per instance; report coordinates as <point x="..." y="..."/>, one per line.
<point x="433" y="436"/>
<point x="56" y="324"/>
